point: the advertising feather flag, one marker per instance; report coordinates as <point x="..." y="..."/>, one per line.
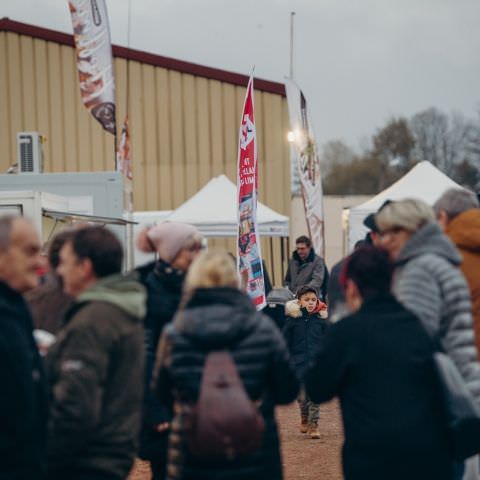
<point x="94" y="59"/>
<point x="249" y="258"/>
<point x="124" y="159"/>
<point x="307" y="164"/>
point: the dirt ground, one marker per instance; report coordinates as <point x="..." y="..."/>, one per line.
<point x="303" y="458"/>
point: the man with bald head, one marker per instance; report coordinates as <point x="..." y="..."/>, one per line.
<point x="23" y="401"/>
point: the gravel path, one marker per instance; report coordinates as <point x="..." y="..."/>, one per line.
<point x="303" y="458"/>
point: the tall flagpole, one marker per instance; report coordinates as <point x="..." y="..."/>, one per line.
<point x="292" y="15"/>
<point x="305" y="159"/>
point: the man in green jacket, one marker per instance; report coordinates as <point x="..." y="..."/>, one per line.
<point x="96" y="364"/>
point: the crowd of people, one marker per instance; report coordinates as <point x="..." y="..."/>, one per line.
<point x="172" y="363"/>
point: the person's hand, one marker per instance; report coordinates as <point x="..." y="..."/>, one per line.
<point x="162" y="427"/>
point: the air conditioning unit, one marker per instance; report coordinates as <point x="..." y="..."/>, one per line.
<point x="29" y="152"/>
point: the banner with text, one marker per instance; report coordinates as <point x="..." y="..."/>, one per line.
<point x="307" y="162"/>
<point x="249" y="258"/>
<point x="94" y="59"/>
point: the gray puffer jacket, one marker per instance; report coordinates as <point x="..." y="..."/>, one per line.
<point x="428" y="282"/>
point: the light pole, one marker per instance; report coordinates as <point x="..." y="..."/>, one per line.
<point x="292" y="15"/>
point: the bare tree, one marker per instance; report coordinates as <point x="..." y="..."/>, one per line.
<point x="445" y="141"/>
<point x="335" y="152"/>
<point x="393" y="146"/>
<point x="429" y="128"/>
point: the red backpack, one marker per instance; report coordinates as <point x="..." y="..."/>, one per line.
<point x="224" y="424"/>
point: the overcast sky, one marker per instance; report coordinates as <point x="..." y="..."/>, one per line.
<point x="359" y="62"/>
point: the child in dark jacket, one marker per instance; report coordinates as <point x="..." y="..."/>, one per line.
<point x="304" y="330"/>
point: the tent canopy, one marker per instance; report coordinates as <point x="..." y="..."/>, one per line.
<point x="213" y="210"/>
<point x="424" y="181"/>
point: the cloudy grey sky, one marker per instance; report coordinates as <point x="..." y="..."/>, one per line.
<point x="358" y="61"/>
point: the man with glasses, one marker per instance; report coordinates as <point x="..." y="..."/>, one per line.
<point x="306" y="268"/>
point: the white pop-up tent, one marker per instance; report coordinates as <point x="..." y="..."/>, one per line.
<point x="424" y="181"/>
<point x="213" y="210"/>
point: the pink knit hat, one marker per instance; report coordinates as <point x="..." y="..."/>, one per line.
<point x="166" y="238"/>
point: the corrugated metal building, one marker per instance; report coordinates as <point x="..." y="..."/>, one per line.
<point x="184" y="120"/>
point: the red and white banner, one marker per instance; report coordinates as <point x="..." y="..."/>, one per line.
<point x="124" y="160"/>
<point x="307" y="162"/>
<point x="94" y="59"/>
<point x="249" y="258"/>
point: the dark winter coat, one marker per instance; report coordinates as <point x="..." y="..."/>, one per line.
<point x="275" y="307"/>
<point x="216" y="319"/>
<point x="95" y="370"/>
<point x="304" y="333"/>
<point x="428" y="282"/>
<point x="335" y="294"/>
<point x="23" y="398"/>
<point x="310" y="271"/>
<point x="49" y="304"/>
<point x="378" y="362"/>
<point x="164" y="291"/>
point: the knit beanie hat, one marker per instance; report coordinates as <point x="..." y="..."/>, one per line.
<point x="166" y="238"/>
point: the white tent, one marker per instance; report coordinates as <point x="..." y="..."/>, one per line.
<point x="423" y="181"/>
<point x="213" y="210"/>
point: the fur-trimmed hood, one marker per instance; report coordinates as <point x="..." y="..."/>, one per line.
<point x="293" y="309"/>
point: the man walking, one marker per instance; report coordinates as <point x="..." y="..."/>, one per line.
<point x="23" y="401"/>
<point x="96" y="365"/>
<point x="458" y="213"/>
<point x="306" y="268"/>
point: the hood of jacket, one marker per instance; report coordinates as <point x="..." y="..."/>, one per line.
<point x="123" y="291"/>
<point x="464" y="230"/>
<point x="293" y="309"/>
<point x="429" y="239"/>
<point x="310" y="258"/>
<point x="217" y="317"/>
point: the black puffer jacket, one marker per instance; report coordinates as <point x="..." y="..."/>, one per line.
<point x="164" y="290"/>
<point x="215" y="319"/>
<point x="23" y="400"/>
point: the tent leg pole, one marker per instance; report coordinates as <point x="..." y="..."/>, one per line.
<point x="272" y="261"/>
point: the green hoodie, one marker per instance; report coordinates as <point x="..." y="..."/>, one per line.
<point x="124" y="291"/>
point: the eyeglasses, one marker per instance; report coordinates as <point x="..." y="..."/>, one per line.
<point x="391" y="231"/>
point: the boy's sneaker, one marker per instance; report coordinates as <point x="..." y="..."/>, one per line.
<point x="314" y="432"/>
<point x="304" y="426"/>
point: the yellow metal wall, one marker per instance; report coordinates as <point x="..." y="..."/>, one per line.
<point x="184" y="128"/>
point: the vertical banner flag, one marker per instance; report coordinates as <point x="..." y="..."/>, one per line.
<point x="124" y="160"/>
<point x="249" y="258"/>
<point x="94" y="59"/>
<point x="124" y="165"/>
<point x="307" y="162"/>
